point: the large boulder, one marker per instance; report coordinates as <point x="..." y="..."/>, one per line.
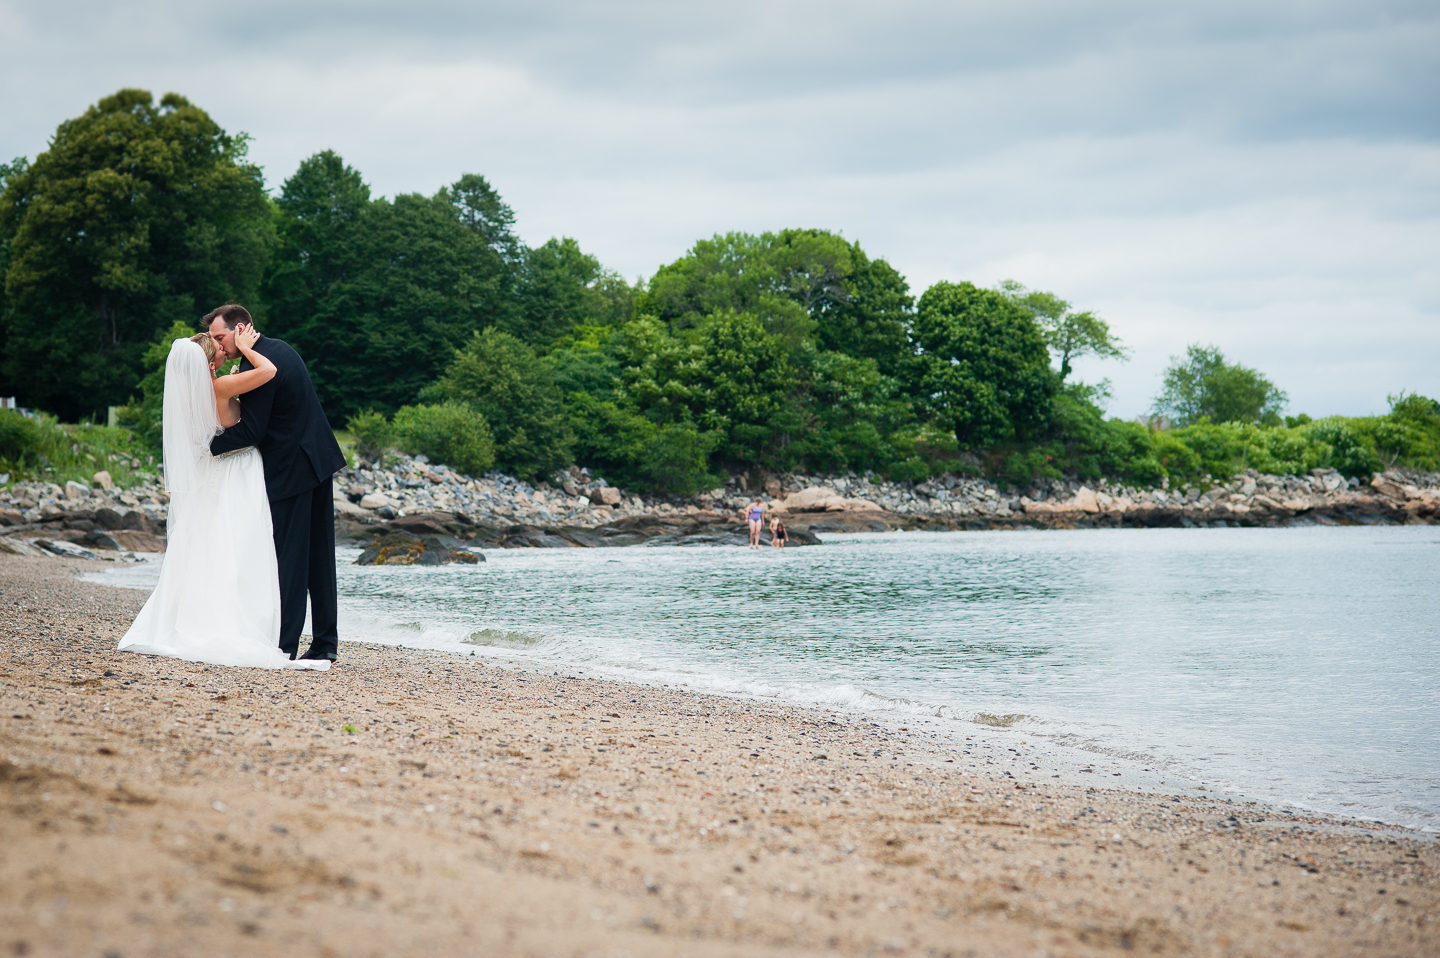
<point x="348" y="508"/>
<point x="1086" y="500"/>
<point x="140" y="522"/>
<point x="20" y="547"/>
<point x="605" y="496"/>
<point x="402" y="548"/>
<point x="812" y="499"/>
<point x="375" y="500"/>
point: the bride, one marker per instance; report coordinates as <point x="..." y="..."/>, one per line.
<point x="218" y="598"/>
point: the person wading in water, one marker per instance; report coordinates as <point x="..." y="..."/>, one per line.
<point x="756" y="517"/>
<point x="778" y="535"/>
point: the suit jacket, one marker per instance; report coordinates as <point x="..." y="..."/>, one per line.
<point x="283" y="419"/>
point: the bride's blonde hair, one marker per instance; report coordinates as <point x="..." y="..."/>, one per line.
<point x="207" y="344"/>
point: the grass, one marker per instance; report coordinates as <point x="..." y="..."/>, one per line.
<point x="47" y="450"/>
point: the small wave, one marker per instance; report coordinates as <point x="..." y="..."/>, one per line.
<point x="504" y="638"/>
<point x="999" y="721"/>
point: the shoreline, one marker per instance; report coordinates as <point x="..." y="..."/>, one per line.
<point x="158" y="806"/>
<point x="1075" y="755"/>
<point x="443" y="511"/>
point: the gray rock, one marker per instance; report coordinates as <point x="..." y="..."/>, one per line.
<point x="69" y="550"/>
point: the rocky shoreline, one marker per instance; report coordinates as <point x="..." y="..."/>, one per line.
<point x="450" y="515"/>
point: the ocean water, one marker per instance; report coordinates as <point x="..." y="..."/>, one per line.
<point x="1299" y="666"/>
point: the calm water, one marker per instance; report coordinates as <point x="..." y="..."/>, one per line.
<point x="1297" y="665"/>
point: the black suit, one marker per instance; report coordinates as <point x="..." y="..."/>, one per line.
<point x="284" y="421"/>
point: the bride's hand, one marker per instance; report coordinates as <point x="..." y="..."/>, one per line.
<point x="246" y="338"/>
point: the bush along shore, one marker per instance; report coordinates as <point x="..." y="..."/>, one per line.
<point x="410" y="511"/>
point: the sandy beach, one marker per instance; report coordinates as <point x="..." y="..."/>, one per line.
<point x="424" y="803"/>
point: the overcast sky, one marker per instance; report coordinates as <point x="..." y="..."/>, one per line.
<point x="1263" y="177"/>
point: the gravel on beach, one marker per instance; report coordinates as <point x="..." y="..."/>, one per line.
<point x="411" y="802"/>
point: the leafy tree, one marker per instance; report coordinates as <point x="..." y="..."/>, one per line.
<point x="743" y="385"/>
<point x="318" y="221"/>
<point x="875" y="321"/>
<point x="855" y="412"/>
<point x="984" y="371"/>
<point x="725" y="272"/>
<point x="143" y="412"/>
<point x="136" y="216"/>
<point x="675" y="459"/>
<point x="1410" y="435"/>
<point x="378" y="294"/>
<point x="1070" y="334"/>
<point x="1205" y="385"/>
<point x="658" y="372"/>
<point x="800" y="284"/>
<point x="450" y="433"/>
<point x="503" y="380"/>
<point x="562" y="289"/>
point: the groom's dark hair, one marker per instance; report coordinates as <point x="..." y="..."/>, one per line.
<point x="232" y="314"/>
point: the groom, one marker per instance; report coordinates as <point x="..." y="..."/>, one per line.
<point x="284" y="421"/>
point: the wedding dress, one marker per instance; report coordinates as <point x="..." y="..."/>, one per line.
<point x="218" y="598"/>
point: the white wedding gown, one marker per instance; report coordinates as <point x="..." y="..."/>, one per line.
<point x="218" y="598"/>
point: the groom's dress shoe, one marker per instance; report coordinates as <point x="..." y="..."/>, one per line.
<point x="314" y="653"/>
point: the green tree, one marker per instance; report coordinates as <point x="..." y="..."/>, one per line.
<point x="744" y="386"/>
<point x="503" y="379"/>
<point x="984" y="371"/>
<point x="1409" y="436"/>
<point x="317" y="222"/>
<point x="143" y="412"/>
<point x="724" y="272"/>
<point x="1203" y="384"/>
<point x="854" y="414"/>
<point x="875" y="321"/>
<point x="562" y="289"/>
<point x="138" y="215"/>
<point x="1069" y="334"/>
<point x="801" y="284"/>
<point x="378" y="294"/>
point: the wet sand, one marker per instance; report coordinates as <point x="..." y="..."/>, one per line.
<point x="422" y="803"/>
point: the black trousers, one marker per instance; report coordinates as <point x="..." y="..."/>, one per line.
<point x="304" y="528"/>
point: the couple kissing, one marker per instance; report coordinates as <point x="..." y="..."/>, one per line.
<point x="248" y="464"/>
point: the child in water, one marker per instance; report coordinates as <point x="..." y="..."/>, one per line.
<point x="778" y="535"/>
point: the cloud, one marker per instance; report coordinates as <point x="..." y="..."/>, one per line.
<point x="1260" y="177"/>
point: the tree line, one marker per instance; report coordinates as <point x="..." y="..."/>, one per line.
<point x="427" y="324"/>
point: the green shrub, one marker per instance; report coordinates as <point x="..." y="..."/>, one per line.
<point x="42" y="448"/>
<point x="448" y="433"/>
<point x="503" y="380"/>
<point x="373" y="435"/>
<point x="1338" y="446"/>
<point x="908" y="470"/>
<point x="674" y="460"/>
<point x="1177" y="459"/>
<point x="1409" y="436"/>
<point x="19" y="439"/>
